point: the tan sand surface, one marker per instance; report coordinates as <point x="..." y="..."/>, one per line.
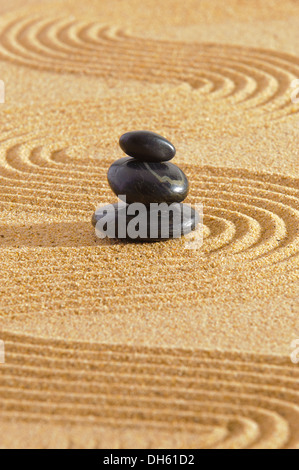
<point x="118" y="345"/>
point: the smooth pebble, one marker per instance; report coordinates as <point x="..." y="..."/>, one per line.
<point x="147" y="146"/>
<point x="147" y="182"/>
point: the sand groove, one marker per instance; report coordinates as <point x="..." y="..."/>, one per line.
<point x="253" y="78"/>
<point x="156" y="388"/>
<point x="247" y="216"/>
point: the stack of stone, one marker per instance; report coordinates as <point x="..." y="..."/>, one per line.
<point x="147" y="177"/>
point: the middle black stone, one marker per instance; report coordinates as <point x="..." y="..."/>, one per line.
<point x="147" y="182"/>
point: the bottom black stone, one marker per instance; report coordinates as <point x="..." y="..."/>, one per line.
<point x="137" y="222"/>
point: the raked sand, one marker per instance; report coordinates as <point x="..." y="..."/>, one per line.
<point x="119" y="345"/>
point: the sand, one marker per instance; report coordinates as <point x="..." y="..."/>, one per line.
<point x="115" y="345"/>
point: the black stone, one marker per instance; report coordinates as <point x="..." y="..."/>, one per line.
<point x="147" y="182"/>
<point x="181" y="221"/>
<point x="147" y="146"/>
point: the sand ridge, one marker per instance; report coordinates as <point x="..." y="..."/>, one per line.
<point x="257" y="77"/>
<point x="174" y="390"/>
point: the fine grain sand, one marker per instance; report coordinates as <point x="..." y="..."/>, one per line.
<point x="121" y="345"/>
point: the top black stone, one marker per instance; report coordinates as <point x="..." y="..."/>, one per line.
<point x="147" y="146"/>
